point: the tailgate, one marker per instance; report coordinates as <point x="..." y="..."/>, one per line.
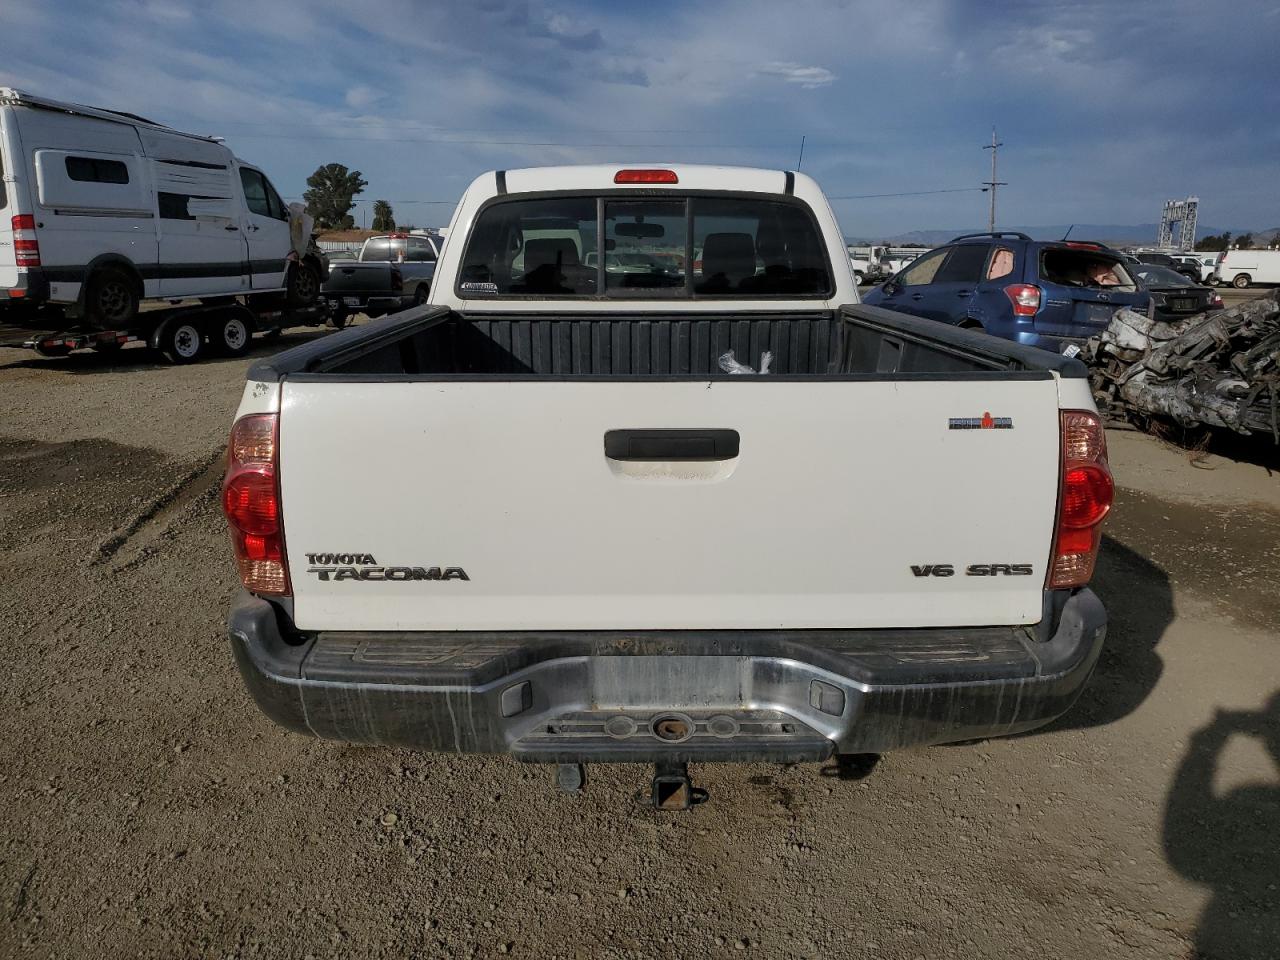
<point x="1082" y="311"/>
<point x="842" y="504"/>
<point x="351" y="277"/>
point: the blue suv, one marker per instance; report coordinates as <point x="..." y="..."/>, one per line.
<point x="1042" y="293"/>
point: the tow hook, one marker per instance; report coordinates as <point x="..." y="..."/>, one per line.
<point x="672" y="789"/>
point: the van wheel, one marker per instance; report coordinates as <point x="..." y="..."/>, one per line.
<point x="234" y="337"/>
<point x="111" y="302"/>
<point x="859" y="279"/>
<point x="1241" y="280"/>
<point x="304" y="285"/>
<point x="182" y="343"/>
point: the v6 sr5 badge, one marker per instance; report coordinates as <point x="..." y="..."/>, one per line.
<point x="972" y="570"/>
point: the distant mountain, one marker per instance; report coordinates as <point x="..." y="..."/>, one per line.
<point x="1105" y="232"/>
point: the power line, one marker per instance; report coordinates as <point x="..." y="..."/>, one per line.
<point x="512" y="143"/>
<point x="907" y="193"/>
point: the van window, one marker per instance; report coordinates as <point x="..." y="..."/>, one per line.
<point x="96" y="170"/>
<point x="274" y="203"/>
<point x="255" y="192"/>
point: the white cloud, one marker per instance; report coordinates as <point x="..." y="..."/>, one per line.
<point x="360" y="97"/>
<point x="808" y="78"/>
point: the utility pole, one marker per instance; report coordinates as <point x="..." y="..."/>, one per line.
<point x="994" y="147"/>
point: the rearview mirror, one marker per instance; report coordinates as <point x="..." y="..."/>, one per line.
<point x="639" y="230"/>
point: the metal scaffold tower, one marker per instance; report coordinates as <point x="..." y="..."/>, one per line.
<point x="1183" y="213"/>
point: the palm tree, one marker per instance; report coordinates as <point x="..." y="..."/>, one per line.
<point x="383" y="218"/>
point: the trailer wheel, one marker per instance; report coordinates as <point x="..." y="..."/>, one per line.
<point x="338" y="317"/>
<point x="234" y="338"/>
<point x="303" y="284"/>
<point x="111" y="301"/>
<point x="1241" y="280"/>
<point x="182" y="343"/>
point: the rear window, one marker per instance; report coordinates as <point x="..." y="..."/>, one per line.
<point x="1084" y="268"/>
<point x="411" y="250"/>
<point x="697" y="246"/>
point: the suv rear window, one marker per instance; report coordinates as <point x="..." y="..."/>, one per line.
<point x="1084" y="268"/>
<point x="697" y="246"/>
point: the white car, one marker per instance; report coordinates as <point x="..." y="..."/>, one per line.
<point x="722" y="513"/>
<point x="102" y="210"/>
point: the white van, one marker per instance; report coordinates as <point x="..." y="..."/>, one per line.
<point x="1243" y="268"/>
<point x="100" y="210"/>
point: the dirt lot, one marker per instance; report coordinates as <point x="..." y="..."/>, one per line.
<point x="150" y="810"/>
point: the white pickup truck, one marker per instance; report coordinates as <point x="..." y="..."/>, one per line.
<point x="583" y="539"/>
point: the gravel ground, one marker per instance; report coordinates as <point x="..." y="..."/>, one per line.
<point x="151" y="811"/>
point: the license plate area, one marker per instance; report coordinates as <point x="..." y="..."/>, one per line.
<point x="651" y="683"/>
<point x="351" y="301"/>
<point x="1096" y="314"/>
<point x="1182" y="304"/>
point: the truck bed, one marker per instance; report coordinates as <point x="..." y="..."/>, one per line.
<point x="860" y="340"/>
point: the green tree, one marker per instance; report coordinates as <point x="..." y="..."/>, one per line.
<point x="331" y="193"/>
<point x="1215" y="242"/>
<point x="383" y="218"/>
<point x="1245" y="241"/>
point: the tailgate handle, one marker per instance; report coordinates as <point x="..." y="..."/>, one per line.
<point x="671" y="444"/>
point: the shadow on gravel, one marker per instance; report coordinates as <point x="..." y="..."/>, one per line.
<point x="143" y="358"/>
<point x="1139" y="601"/>
<point x="1228" y="842"/>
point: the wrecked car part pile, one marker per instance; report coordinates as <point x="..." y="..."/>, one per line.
<point x="1212" y="370"/>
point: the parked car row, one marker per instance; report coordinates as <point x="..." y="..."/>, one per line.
<point x="1049" y="294"/>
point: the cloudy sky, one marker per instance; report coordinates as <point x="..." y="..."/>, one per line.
<point x="1106" y="109"/>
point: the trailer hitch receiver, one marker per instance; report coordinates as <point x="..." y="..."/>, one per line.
<point x="672" y="789"/>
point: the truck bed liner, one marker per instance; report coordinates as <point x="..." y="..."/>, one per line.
<point x="428" y="342"/>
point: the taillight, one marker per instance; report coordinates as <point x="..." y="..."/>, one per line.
<point x="397" y="279"/>
<point x="1084" y="500"/>
<point x="1024" y="297"/>
<point x="251" y="501"/>
<point x="646" y="176"/>
<point x="25" y="245"/>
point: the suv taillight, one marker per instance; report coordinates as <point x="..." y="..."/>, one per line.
<point x="1085" y="499"/>
<point x="26" y="247"/>
<point x="1024" y="297"/>
<point x="397" y="279"/>
<point x="251" y="501"/>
